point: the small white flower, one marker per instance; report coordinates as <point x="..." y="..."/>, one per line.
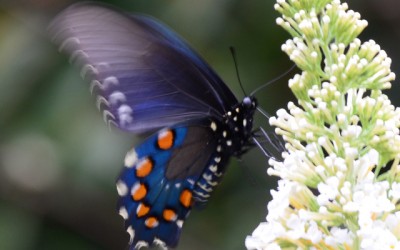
<point x="395" y="191"/>
<point x="264" y="235"/>
<point x="313" y="233"/>
<point x="339" y="236"/>
<point x="279" y="205"/>
<point x="328" y="190"/>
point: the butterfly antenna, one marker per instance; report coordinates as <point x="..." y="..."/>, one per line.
<point x="269" y="143"/>
<point x="273" y="80"/>
<point x="233" y="52"/>
<point x="263" y="150"/>
<point x="272" y="139"/>
<point x="263" y="112"/>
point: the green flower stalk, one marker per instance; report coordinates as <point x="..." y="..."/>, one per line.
<point x="340" y="174"/>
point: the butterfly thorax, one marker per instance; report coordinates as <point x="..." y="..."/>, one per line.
<point x="239" y="125"/>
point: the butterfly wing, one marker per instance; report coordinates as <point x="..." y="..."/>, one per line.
<point x="145" y="76"/>
<point x="164" y="177"/>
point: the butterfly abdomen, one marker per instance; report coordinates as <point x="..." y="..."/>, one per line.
<point x="210" y="178"/>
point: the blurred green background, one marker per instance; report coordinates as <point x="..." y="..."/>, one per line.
<point x="59" y="161"/>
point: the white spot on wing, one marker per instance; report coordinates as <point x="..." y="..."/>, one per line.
<point x="122" y="188"/>
<point x="160" y="243"/>
<point x="205" y="188"/>
<point x="131" y="233"/>
<point x="141" y="244"/>
<point x="111" y="80"/>
<point x="107" y="82"/>
<point x="125" y="119"/>
<point x="213" y="168"/>
<point x="213" y="183"/>
<point x="124" y="109"/>
<point x="207" y="177"/>
<point x="101" y="100"/>
<point x="244" y="122"/>
<point x="179" y="223"/>
<point x="124" y="213"/>
<point x="107" y="116"/>
<point x="88" y="68"/>
<point x="94" y="84"/>
<point x="217" y="159"/>
<point x="213" y="126"/>
<point x="116" y="97"/>
<point x="124" y="112"/>
<point x="72" y="40"/>
<point x="202" y="194"/>
<point x="229" y="142"/>
<point x="77" y="55"/>
<point x="131" y="158"/>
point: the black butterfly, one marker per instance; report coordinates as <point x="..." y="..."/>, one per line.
<point x="147" y="78"/>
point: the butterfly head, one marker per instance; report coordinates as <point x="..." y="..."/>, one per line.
<point x="249" y="106"/>
<point x="249" y="101"/>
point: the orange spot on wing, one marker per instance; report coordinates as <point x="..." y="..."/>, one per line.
<point x="139" y="191"/>
<point x="142" y="210"/>
<point x="186" y="198"/>
<point x="151" y="222"/>
<point x="169" y="215"/>
<point x="165" y="139"/>
<point x="144" y="168"/>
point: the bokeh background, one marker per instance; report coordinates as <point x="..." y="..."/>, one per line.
<point x="59" y="161"/>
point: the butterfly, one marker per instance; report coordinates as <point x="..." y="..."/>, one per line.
<point x="147" y="79"/>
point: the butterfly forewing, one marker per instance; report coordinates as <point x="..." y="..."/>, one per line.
<point x="145" y="75"/>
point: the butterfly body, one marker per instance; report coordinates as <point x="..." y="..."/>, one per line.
<point x="146" y="79"/>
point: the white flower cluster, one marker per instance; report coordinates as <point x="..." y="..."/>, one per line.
<point x="333" y="193"/>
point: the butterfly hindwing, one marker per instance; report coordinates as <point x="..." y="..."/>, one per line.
<point x="163" y="178"/>
<point x="146" y="77"/>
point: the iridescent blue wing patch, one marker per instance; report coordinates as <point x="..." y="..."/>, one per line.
<point x="163" y="178"/>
